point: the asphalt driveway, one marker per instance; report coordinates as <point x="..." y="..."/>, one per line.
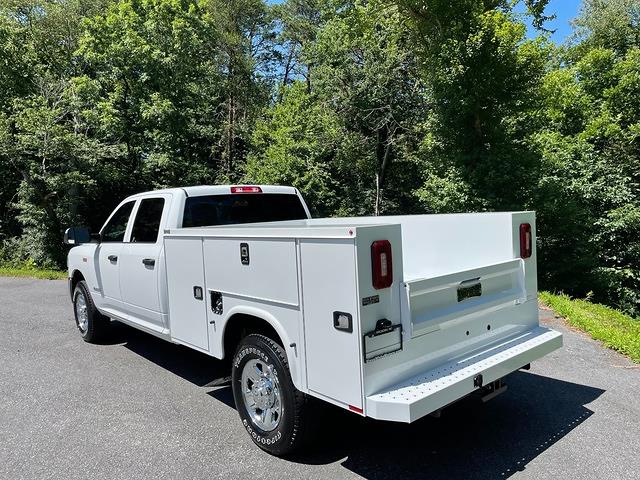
<point x="137" y="408"/>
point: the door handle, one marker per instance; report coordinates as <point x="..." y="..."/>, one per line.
<point x="113" y="258"/>
<point x="149" y="262"/>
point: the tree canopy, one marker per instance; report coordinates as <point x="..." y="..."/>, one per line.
<point x="369" y="107"/>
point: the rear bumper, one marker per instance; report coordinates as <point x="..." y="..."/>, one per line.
<point x="427" y="392"/>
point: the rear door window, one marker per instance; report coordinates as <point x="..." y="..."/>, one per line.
<point x="147" y="223"/>
<point x="209" y="210"/>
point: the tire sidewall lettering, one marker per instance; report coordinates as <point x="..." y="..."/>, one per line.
<point x="258" y="437"/>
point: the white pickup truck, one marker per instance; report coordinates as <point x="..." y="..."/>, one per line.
<point x="389" y="317"/>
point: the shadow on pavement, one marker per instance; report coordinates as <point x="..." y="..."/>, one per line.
<point x="470" y="440"/>
<point x="193" y="366"/>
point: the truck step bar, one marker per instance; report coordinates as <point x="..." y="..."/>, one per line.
<point x="429" y="391"/>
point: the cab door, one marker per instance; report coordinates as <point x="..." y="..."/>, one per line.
<point x="109" y="253"/>
<point x="142" y="262"/>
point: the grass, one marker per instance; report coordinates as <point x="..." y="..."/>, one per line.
<point x="32" y="273"/>
<point x="614" y="329"/>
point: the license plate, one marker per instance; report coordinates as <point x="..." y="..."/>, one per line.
<point x="469" y="288"/>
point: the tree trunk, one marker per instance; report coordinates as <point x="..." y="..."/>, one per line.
<point x="287" y="72"/>
<point x="383" y="152"/>
<point x="230" y="131"/>
<point x="376" y="210"/>
<point x="308" y="79"/>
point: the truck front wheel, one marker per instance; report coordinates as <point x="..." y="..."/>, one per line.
<point x="91" y="324"/>
<point x="271" y="408"/>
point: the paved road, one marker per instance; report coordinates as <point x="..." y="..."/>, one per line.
<point x="136" y="408"/>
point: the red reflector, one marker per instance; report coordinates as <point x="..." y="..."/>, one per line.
<point x="381" y="264"/>
<point x="525" y="240"/>
<point x="355" y="409"/>
<point x="246" y="189"/>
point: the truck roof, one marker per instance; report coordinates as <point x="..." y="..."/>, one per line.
<point x="200" y="190"/>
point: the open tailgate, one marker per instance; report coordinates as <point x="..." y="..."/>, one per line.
<point x="429" y="391"/>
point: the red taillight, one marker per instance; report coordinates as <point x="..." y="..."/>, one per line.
<point x="246" y="189"/>
<point x="525" y="240"/>
<point x="381" y="264"/>
<point x="353" y="408"/>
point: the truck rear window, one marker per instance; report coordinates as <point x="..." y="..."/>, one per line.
<point x="210" y="210"/>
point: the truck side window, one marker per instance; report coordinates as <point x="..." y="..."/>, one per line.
<point x="147" y="223"/>
<point x="115" y="229"/>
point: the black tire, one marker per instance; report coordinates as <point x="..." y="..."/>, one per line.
<point x="289" y="432"/>
<point x="97" y="325"/>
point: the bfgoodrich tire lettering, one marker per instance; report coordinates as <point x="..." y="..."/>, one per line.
<point x="282" y="434"/>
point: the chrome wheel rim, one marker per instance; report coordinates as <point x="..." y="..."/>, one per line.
<point x="261" y="394"/>
<point x="82" y="316"/>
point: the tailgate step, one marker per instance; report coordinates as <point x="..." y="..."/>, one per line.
<point x="427" y="392"/>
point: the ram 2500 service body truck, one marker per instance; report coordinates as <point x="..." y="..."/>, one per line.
<point x="389" y="317"/>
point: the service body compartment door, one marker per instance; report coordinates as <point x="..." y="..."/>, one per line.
<point x="255" y="276"/>
<point x="329" y="290"/>
<point x="262" y="270"/>
<point x="187" y="298"/>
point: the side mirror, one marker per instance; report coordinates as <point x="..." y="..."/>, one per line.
<point x="77" y="236"/>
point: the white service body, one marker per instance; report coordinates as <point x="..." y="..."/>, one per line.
<point x="304" y="276"/>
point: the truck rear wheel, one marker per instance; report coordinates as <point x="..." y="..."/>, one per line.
<point x="91" y="324"/>
<point x="270" y="407"/>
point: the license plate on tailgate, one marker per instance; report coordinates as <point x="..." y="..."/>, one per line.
<point x="469" y="288"/>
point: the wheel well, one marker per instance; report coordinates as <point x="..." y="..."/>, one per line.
<point x="240" y="325"/>
<point x="75" y="278"/>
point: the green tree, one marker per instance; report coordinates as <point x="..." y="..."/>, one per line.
<point x="484" y="78"/>
<point x="366" y="86"/>
<point x="43" y="123"/>
<point x="16" y="72"/>
<point x="611" y="24"/>
<point x="588" y="195"/>
<point x="157" y="66"/>
<point x="248" y="66"/>
<point x="298" y="23"/>
<point x="368" y="107"/>
<point x="301" y="143"/>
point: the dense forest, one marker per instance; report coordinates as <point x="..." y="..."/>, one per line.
<point x="368" y="107"/>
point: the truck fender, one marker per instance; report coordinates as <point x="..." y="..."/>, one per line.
<point x="73" y="280"/>
<point x="292" y="349"/>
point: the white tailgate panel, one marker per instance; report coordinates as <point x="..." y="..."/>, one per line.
<point x="187" y="315"/>
<point x="271" y="274"/>
<point x="435" y="245"/>
<point x="329" y="284"/>
<point x="431" y="302"/>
